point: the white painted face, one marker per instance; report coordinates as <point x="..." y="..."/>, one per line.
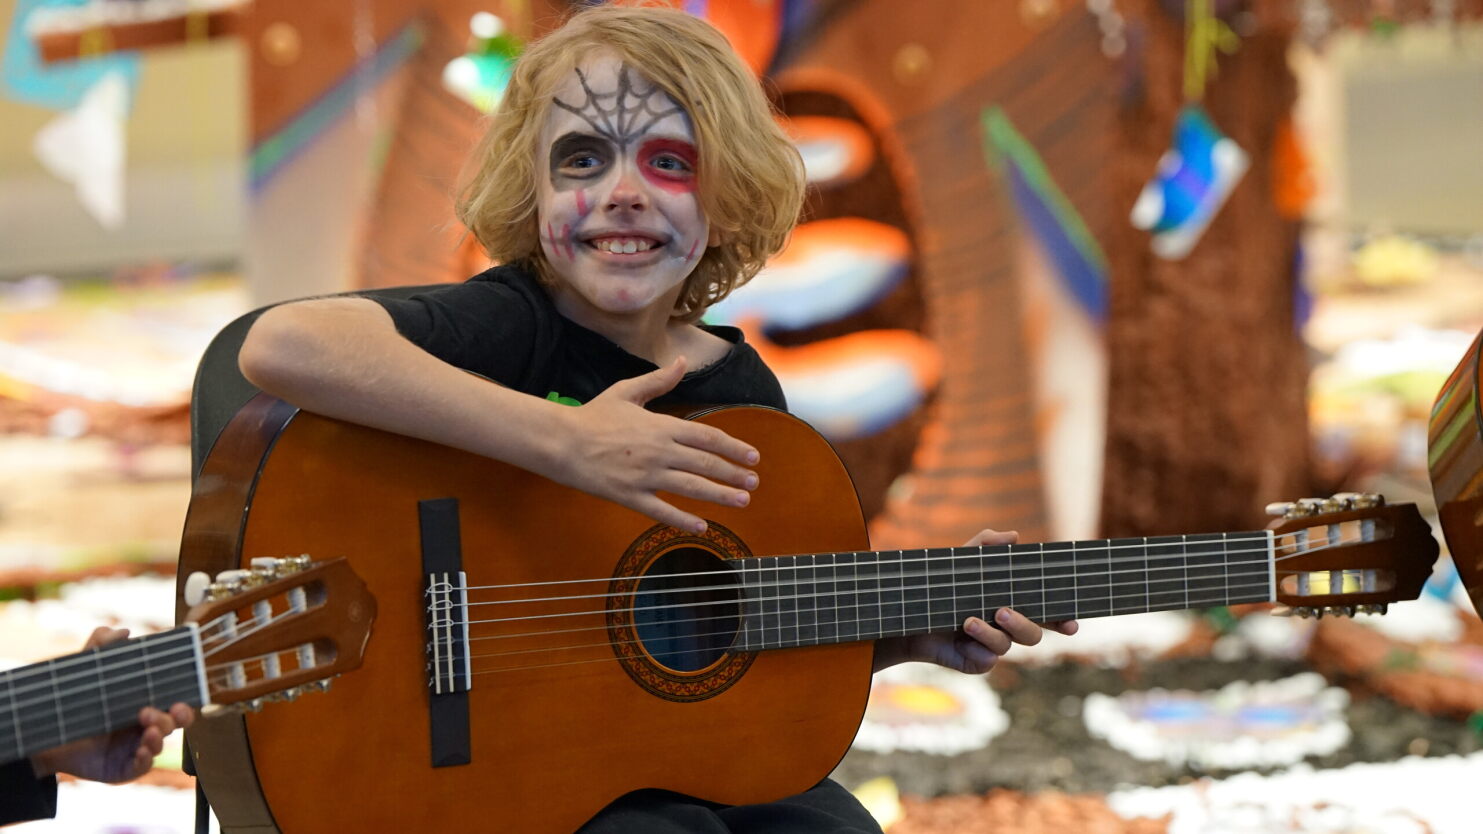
<point x="620" y="217"/>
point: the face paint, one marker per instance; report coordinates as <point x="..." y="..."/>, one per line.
<point x="625" y="114"/>
<point x="668" y="164"/>
<point x="622" y="189"/>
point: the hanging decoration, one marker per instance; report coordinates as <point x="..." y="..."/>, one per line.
<point x="1050" y="216"/>
<point x="1293" y="185"/>
<point x="59" y="86"/>
<point x="1315" y="21"/>
<point x="1112" y="26"/>
<point x="1206" y="34"/>
<point x="1196" y="174"/>
<point x="480" y="76"/>
<point x="1193" y="180"/>
<point x="1383" y="20"/>
<point x="85" y="147"/>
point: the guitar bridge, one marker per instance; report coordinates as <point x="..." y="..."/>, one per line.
<point x="447" y="633"/>
<point x="448" y="674"/>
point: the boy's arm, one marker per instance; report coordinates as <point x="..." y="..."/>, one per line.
<point x="343" y="358"/>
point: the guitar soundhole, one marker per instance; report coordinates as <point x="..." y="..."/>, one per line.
<point x="686" y="609"/>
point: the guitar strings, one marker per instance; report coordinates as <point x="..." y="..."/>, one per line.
<point x="53" y="730"/>
<point x="41" y="733"/>
<point x="1299" y="551"/>
<point x="1264" y="583"/>
<point x="111" y="651"/>
<point x="71" y="685"/>
<point x="954" y="570"/>
<point x="1071" y="548"/>
<point x="903" y="587"/>
<point x="1223" y="598"/>
<point x="1077" y="601"/>
<point x="87" y="657"/>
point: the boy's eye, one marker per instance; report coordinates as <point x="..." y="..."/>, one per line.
<point x="668" y="162"/>
<point x="583" y="161"/>
<point x="579" y="155"/>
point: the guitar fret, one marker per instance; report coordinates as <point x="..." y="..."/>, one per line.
<point x="808" y="614"/>
<point x="951" y="566"/>
<point x="788" y="601"/>
<point x="775" y="603"/>
<point x="915" y="596"/>
<point x="1027" y="572"/>
<point x="952" y="562"/>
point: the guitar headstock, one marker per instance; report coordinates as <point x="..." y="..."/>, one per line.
<point x="1349" y="554"/>
<point x="280" y="629"/>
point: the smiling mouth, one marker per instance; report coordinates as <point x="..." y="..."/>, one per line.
<point x="623" y="244"/>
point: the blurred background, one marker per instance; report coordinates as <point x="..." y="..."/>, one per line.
<point x="1076" y="268"/>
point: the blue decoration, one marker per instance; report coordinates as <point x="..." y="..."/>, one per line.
<point x="58" y="86"/>
<point x="1049" y="215"/>
<point x="1194" y="178"/>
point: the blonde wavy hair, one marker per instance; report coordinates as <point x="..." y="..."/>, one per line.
<point x="750" y="175"/>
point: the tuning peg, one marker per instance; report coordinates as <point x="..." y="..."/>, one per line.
<point x="1280" y="610"/>
<point x="1341" y="610"/>
<point x="1312" y="506"/>
<point x="1376" y="608"/>
<point x="196" y="586"/>
<point x="1280" y="509"/>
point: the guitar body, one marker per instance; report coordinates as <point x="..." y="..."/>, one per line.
<point x="558" y="726"/>
<point x="1455" y="459"/>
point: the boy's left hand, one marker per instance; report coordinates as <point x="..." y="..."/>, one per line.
<point x="977" y="646"/>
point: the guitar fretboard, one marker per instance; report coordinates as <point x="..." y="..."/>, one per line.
<point x="823" y="598"/>
<point x="96" y="691"/>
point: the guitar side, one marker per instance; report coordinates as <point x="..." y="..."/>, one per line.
<point x="555" y="733"/>
<point x="1455" y="463"/>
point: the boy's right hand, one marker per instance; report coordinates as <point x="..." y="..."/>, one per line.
<point x="625" y="453"/>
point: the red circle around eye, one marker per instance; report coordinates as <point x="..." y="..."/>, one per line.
<point x="676" y="182"/>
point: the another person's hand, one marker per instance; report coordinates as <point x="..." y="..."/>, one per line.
<point x="976" y="647"/>
<point x="119" y="756"/>
<point x="624" y="453"/>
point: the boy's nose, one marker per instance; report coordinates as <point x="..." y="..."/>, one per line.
<point x="627" y="194"/>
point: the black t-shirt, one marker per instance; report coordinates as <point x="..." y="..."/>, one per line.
<point x="501" y="324"/>
<point x="23" y="796"/>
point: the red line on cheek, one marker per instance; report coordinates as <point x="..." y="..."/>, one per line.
<point x="691" y="253"/>
<point x="582" y="202"/>
<point x="566" y="239"/>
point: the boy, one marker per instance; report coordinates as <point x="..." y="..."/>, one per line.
<point x="633" y="175"/>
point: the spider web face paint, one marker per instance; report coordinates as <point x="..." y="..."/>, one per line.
<point x="620" y="217"/>
<point x="624" y="114"/>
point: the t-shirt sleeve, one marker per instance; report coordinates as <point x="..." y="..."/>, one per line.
<point x="486" y="327"/>
<point x="23" y="796"/>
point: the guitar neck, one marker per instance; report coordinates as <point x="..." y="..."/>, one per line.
<point x="98" y="690"/>
<point x="823" y="598"/>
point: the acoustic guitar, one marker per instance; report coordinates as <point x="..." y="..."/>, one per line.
<point x="541" y="652"/>
<point x="272" y="632"/>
